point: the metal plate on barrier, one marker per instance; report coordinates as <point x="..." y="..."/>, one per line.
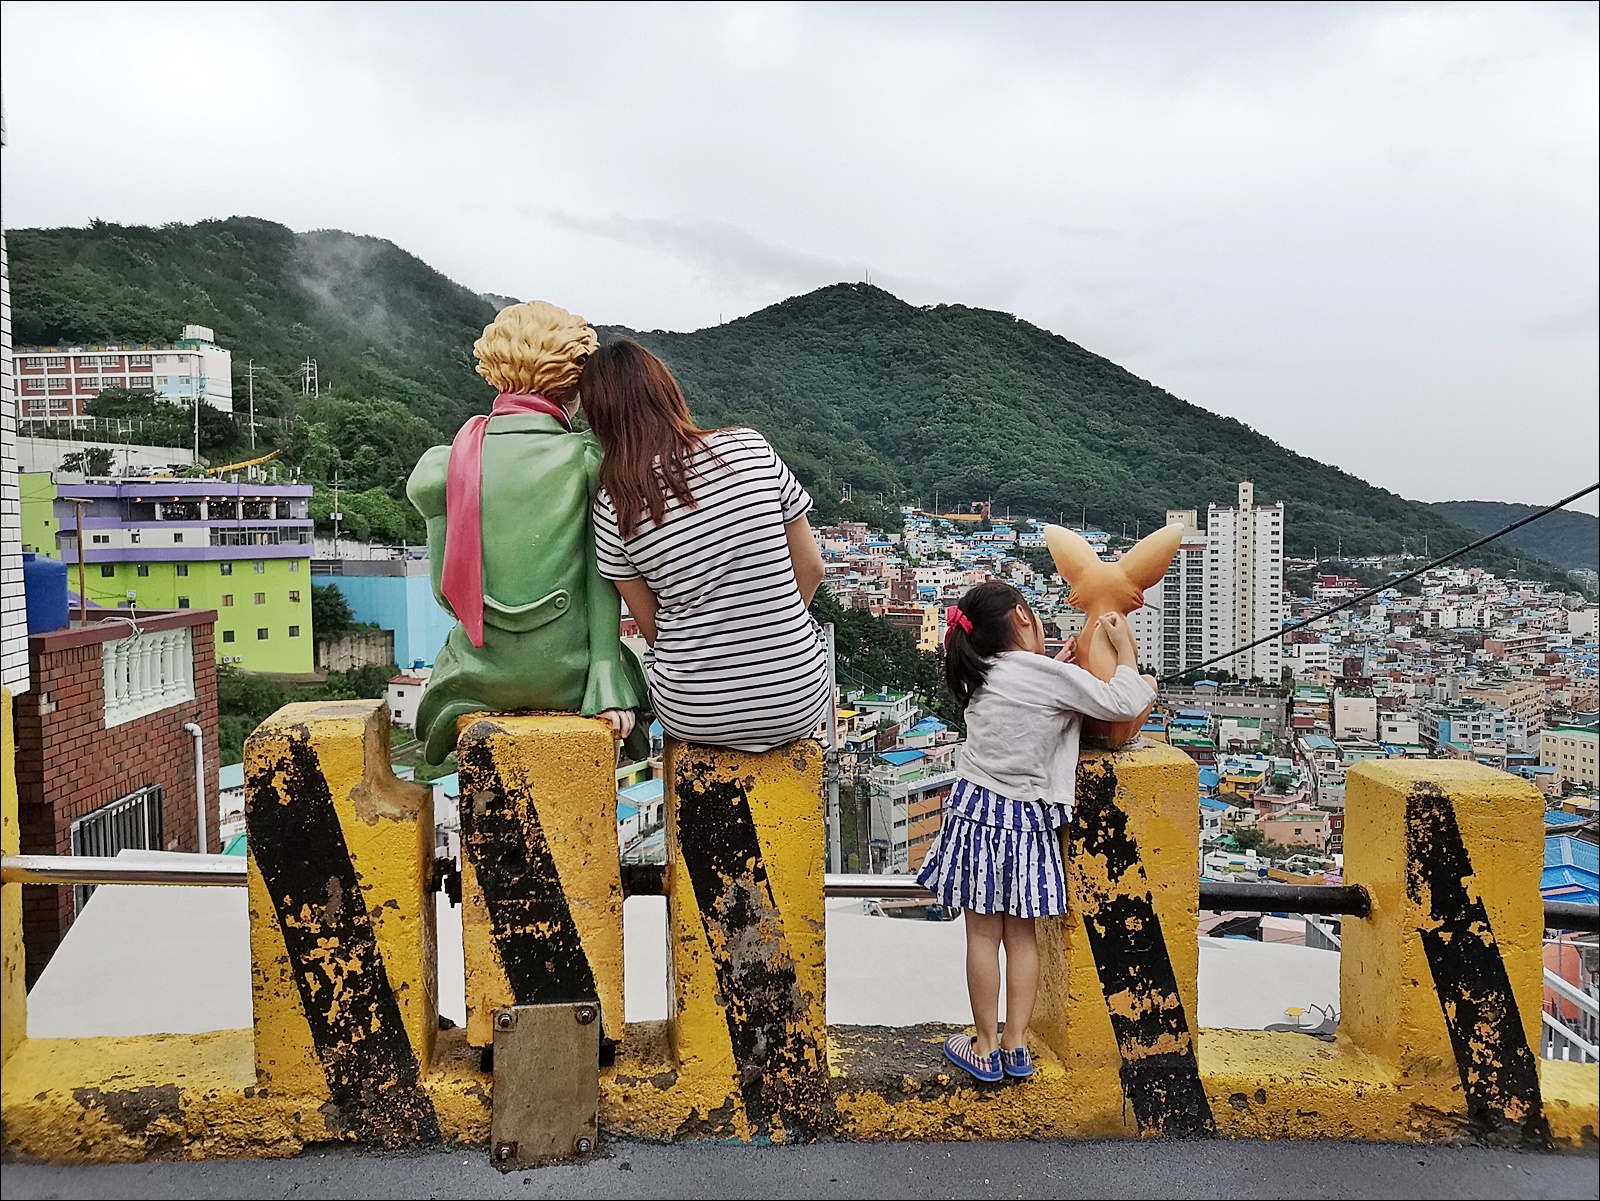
<point x="546" y="1083"/>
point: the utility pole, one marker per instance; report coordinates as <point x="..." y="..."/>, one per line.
<point x="338" y="482"/>
<point x="250" y="372"/>
<point x="309" y="385"/>
<point x="1083" y="519"/>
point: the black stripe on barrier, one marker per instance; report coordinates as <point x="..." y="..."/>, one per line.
<point x="366" y="1054"/>
<point x="1499" y="1073"/>
<point x="534" y="933"/>
<point x="783" y="1073"/>
<point x="1160" y="1074"/>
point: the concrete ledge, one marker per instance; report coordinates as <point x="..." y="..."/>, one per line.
<point x="122" y="1100"/>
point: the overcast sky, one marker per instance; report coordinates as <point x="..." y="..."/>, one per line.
<point x="1368" y="231"/>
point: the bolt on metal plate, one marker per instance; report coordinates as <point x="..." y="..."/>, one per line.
<point x="546" y="1083"/>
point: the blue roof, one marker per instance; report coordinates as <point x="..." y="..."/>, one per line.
<point x="1200" y="713"/>
<point x="1209" y="777"/>
<point x="1213" y="804"/>
<point x="1563" y="850"/>
<point x="1320" y="742"/>
<point x="641" y="793"/>
<point x="625" y="811"/>
<point x="1557" y="817"/>
<point x="230" y="775"/>
<point x="928" y="725"/>
<point x="451" y="784"/>
<point x="901" y="758"/>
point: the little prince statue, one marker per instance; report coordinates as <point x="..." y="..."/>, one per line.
<point x="507" y="512"/>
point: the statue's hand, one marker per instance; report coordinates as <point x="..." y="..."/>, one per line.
<point x="621" y="721"/>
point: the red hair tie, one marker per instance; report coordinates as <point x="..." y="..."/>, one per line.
<point x="955" y="619"/>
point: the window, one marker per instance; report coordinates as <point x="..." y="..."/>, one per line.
<point x="294" y="631"/>
<point x="141" y="381"/>
<point x="60" y="384"/>
<point x="261" y="634"/>
<point x="33" y="385"/>
<point x="225" y="568"/>
<point x="183" y="569"/>
<point x="177" y="538"/>
<point x="108" y="571"/>
<point x="227" y="600"/>
<point x="99" y="539"/>
<point x="294" y="596"/>
<point x="134" y="822"/>
<point x="56" y="361"/>
<point x="133" y="535"/>
<point x="227" y="635"/>
<point x="294" y="564"/>
<point x="142" y="570"/>
<point x="260" y="566"/>
<point x="139" y="360"/>
<point x="261" y="598"/>
<point x="183" y="602"/>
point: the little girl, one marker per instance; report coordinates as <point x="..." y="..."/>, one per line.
<point x="998" y="855"/>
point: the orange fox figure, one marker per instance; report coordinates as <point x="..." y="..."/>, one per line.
<point x="1099" y="587"/>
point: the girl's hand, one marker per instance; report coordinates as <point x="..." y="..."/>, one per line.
<point x="620" y="720"/>
<point x="1069" y="651"/>
<point x="1120" y="635"/>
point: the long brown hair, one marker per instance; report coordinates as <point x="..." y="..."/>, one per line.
<point x="638" y="413"/>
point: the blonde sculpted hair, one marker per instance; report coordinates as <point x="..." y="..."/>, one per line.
<point x="535" y="348"/>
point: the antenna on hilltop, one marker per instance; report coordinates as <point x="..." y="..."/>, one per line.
<point x="309" y="385"/>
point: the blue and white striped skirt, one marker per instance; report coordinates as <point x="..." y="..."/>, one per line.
<point x="996" y="855"/>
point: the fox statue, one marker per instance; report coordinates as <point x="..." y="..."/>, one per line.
<point x="1100" y="587"/>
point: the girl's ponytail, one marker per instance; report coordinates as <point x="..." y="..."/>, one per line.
<point x="977" y="628"/>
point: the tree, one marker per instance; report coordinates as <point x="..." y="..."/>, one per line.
<point x="92" y="460"/>
<point x="330" y="613"/>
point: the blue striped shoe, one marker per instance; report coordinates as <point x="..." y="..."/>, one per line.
<point x="1017" y="1064"/>
<point x="961" y="1050"/>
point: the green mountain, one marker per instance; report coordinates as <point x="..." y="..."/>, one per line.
<point x="853" y="385"/>
<point x="1566" y="538"/>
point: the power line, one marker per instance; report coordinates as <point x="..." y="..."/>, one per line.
<point x="1371" y="592"/>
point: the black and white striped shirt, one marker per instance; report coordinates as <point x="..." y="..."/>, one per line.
<point x="738" y="659"/>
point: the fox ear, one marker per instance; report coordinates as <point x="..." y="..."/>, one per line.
<point x="1074" y="558"/>
<point x="1148" y="561"/>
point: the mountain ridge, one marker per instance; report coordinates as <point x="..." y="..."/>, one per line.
<point x="852" y="384"/>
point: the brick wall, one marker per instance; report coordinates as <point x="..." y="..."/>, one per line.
<point x="69" y="764"/>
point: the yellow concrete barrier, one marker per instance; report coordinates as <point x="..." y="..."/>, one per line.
<point x="1119" y="972"/>
<point x="13" y="960"/>
<point x="1444" y="982"/>
<point x="342" y="941"/>
<point x="541" y="878"/>
<point x="746" y="940"/>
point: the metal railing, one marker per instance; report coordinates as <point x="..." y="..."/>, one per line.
<point x="648" y="879"/>
<point x="1560" y="1040"/>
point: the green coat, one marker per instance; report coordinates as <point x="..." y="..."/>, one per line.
<point x="551" y="621"/>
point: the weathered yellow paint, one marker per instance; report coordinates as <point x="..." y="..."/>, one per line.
<point x="1156" y="789"/>
<point x="1389" y="1006"/>
<point x="13" y="985"/>
<point x="1571" y="1102"/>
<point x="120" y="1100"/>
<point x="387" y="826"/>
<point x="562" y="769"/>
<point x="783" y="788"/>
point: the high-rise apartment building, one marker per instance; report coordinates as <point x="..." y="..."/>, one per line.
<point x="1244" y="585"/>
<point x="56" y="383"/>
<point x="1170" y="628"/>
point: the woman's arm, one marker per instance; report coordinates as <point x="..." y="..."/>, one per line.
<point x="806" y="556"/>
<point x="642" y="605"/>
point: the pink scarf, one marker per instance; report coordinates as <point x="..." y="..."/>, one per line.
<point x="462" y="582"/>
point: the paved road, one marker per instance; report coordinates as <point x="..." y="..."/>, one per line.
<point x="972" y="1171"/>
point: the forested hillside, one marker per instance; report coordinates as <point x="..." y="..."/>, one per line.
<point x="1566" y="538"/>
<point x="852" y="384"/>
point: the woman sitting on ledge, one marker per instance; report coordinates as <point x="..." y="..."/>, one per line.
<point x="705" y="534"/>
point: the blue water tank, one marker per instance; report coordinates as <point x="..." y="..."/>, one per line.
<point x="44" y="581"/>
